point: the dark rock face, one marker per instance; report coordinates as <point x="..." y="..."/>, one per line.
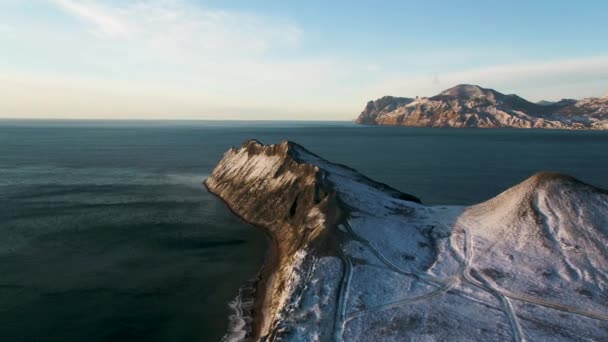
<point x="468" y="105"/>
<point x="270" y="188"/>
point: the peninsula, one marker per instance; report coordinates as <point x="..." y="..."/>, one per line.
<point x="352" y="259"/>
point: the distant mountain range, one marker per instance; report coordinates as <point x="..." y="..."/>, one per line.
<point x="468" y="105"/>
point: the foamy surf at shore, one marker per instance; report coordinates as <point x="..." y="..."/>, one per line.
<point x="240" y="322"/>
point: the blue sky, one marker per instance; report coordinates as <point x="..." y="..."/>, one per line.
<point x="305" y="60"/>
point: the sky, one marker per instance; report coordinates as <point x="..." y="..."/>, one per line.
<point x="287" y="60"/>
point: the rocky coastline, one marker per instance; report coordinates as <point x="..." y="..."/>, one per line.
<point x="472" y="106"/>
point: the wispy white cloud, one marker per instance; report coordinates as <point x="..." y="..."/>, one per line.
<point x="104" y="20"/>
<point x="180" y="46"/>
<point x="175" y="24"/>
<point x="149" y="58"/>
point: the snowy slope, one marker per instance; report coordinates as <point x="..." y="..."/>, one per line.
<point x="530" y="264"/>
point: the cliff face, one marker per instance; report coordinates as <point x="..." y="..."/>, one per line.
<point x="382" y="106"/>
<point x="270" y="188"/>
<point x="473" y="106"/>
<point x="355" y="260"/>
<point x="287" y="191"/>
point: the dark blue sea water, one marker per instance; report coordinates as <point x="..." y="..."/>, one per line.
<point x="107" y="234"/>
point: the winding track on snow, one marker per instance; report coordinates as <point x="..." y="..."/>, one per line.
<point x="340" y="321"/>
<point x="530" y="299"/>
<point x="518" y="334"/>
<point x="556" y="306"/>
<point x="444" y="285"/>
<point x="541" y="302"/>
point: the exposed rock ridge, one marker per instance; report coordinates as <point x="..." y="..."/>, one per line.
<point x="286" y="190"/>
<point x="468" y="105"/>
<point x="268" y="187"/>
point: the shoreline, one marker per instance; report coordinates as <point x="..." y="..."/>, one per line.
<point x="265" y="272"/>
<point x="498" y="128"/>
<point x="241" y="305"/>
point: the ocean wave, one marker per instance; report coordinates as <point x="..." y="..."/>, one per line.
<point x="240" y="322"/>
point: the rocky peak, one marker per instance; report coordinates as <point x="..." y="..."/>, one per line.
<point x="566" y="102"/>
<point x="468" y="91"/>
<point x="545" y="103"/>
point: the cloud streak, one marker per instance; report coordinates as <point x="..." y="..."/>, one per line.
<point x="103" y="20"/>
<point x="175" y="24"/>
<point x="227" y="54"/>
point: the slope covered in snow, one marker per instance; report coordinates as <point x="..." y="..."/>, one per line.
<point x="355" y="260"/>
<point x="468" y="105"/>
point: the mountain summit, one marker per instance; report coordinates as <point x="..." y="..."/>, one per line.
<point x="468" y="91"/>
<point x="467" y="105"/>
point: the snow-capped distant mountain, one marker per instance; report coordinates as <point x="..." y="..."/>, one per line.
<point x="468" y="105"/>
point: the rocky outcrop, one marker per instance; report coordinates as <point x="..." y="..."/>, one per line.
<point x="284" y="190"/>
<point x="270" y="188"/>
<point x="382" y="106"/>
<point x="473" y="106"/>
<point x="355" y="260"/>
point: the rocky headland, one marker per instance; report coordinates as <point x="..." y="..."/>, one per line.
<point x="352" y="259"/>
<point x="472" y="106"/>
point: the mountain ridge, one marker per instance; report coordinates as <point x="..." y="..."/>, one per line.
<point x="472" y="106"/>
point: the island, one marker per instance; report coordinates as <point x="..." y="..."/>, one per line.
<point x="352" y="259"/>
<point x="471" y="106"/>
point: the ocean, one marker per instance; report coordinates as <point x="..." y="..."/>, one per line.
<point x="107" y="233"/>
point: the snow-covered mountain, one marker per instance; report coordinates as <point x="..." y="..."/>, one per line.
<point x="352" y="259"/>
<point x="473" y="106"/>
